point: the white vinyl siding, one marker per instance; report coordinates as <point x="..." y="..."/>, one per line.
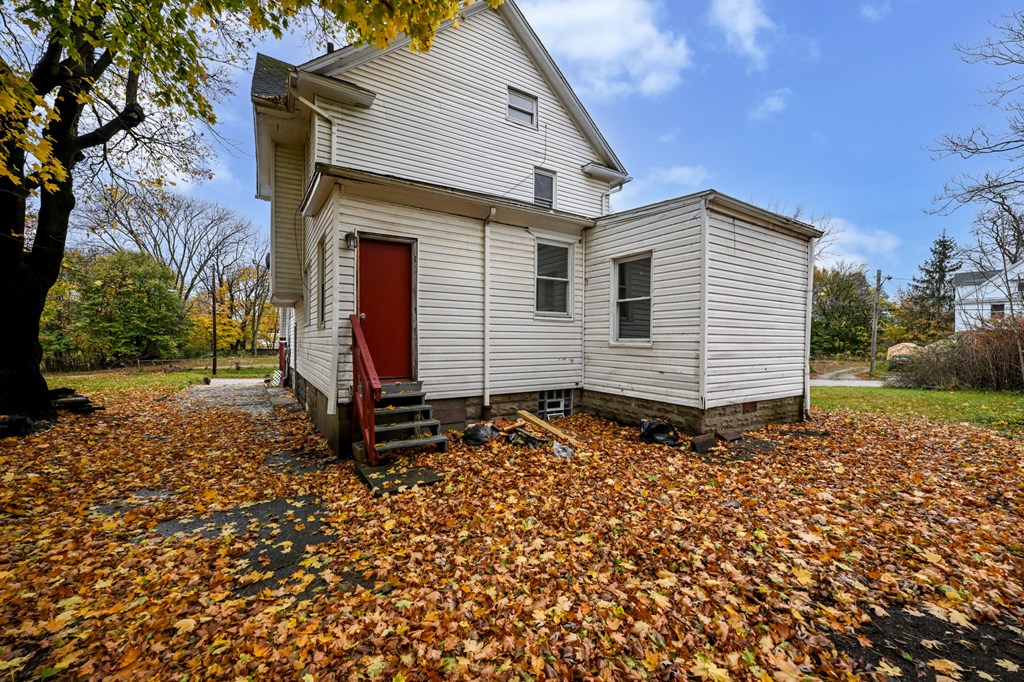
<point x="757" y="304"/>
<point x="527" y="353"/>
<point x="286" y="227"/>
<point x="315" y="344"/>
<point x="442" y="118"/>
<point x="666" y="367"/>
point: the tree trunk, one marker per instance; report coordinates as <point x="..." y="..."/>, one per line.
<point x="23" y="389"/>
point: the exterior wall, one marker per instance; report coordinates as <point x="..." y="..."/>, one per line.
<point x="440" y="117"/>
<point x="286" y="223"/>
<point x="692" y="420"/>
<point x="528" y="353"/>
<point x="666" y="368"/>
<point x="756" y="311"/>
<point x="315" y="342"/>
<point x="973" y="302"/>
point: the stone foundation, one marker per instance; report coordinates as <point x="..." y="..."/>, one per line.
<point x="455" y="413"/>
<point x="693" y="420"/>
<point x="333" y="427"/>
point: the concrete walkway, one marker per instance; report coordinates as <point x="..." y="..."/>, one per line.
<point x="245" y="395"/>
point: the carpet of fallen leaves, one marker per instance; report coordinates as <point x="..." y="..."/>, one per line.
<point x="629" y="561"/>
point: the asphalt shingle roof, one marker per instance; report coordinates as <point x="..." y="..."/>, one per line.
<point x="270" y="78"/>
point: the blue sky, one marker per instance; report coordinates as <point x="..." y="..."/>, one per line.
<point x="831" y="106"/>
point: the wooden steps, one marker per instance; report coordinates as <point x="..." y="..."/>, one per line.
<point x="402" y="419"/>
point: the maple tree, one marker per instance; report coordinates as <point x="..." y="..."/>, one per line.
<point x="119" y="91"/>
<point x="628" y="561"/>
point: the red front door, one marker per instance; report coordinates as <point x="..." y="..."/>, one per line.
<point x="385" y="301"/>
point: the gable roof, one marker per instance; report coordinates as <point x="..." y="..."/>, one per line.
<point x="351" y="56"/>
<point x="967" y="279"/>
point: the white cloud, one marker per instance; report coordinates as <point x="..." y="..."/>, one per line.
<point x="772" y="103"/>
<point x="875" y="12"/>
<point x="862" y="246"/>
<point x="742" y="20"/>
<point x="659" y="184"/>
<point x="612" y="48"/>
<point x="669" y="136"/>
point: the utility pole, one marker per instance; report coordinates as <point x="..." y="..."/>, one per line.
<point x="215" y="287"/>
<point x="874" y="321"/>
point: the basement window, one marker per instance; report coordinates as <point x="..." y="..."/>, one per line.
<point x="633" y="299"/>
<point x="522" y="107"/>
<point x="555" y="403"/>
<point x="552" y="279"/>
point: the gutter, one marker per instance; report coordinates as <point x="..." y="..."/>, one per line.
<point x="485" y="410"/>
<point x="807" y="328"/>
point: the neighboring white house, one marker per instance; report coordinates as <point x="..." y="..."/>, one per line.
<point x="458" y="202"/>
<point x="986" y="295"/>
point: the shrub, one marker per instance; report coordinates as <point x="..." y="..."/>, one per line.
<point x="988" y="358"/>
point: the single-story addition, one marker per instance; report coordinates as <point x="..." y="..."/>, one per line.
<point x="986" y="295"/>
<point x="442" y="222"/>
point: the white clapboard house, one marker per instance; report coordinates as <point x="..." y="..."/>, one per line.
<point x="983" y="296"/>
<point x="442" y="222"/>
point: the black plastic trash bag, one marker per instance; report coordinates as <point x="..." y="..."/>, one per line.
<point x="659" y="432"/>
<point x="480" y="434"/>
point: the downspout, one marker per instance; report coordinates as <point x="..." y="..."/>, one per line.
<point x="807" y="329"/>
<point x="485" y="410"/>
<point x="702" y="351"/>
<point x="332" y="403"/>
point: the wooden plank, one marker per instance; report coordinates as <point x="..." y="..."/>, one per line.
<point x="553" y="430"/>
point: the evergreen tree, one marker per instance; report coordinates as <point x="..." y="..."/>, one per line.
<point x="934" y="288"/>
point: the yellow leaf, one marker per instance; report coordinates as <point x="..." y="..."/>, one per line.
<point x="389" y="524"/>
<point x="185" y="625"/>
<point x="888" y="670"/>
<point x="706" y="670"/>
<point x="1009" y="665"/>
<point x="803" y="576"/>
<point x="944" y="665"/>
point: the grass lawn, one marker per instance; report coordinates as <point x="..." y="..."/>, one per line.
<point x="857" y="547"/>
<point x="113" y="381"/>
<point x="1001" y="411"/>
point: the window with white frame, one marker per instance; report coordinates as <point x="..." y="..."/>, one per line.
<point x="543" y="188"/>
<point x="522" y="107"/>
<point x="633" y="299"/>
<point x="553" y="278"/>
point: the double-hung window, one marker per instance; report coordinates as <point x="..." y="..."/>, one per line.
<point x="553" y="278"/>
<point x="633" y="299"/>
<point x="522" y="107"/>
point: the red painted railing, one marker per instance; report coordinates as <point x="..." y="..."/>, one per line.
<point x="365" y="390"/>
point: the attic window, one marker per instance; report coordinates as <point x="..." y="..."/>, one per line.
<point x="543" y="188"/>
<point x="522" y="107"/>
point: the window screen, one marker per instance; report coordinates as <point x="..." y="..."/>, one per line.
<point x="543" y="188"/>
<point x="633" y="299"/>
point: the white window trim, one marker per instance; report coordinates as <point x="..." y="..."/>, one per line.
<point x="565" y="242"/>
<point x="614" y="339"/>
<point x="537" y="170"/>
<point x="508" y="105"/>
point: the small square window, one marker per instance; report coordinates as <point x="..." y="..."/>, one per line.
<point x="555" y="404"/>
<point x="633" y="299"/>
<point x="997" y="310"/>
<point x="522" y="107"/>
<point x="552" y="279"/>
<point x="543" y="188"/>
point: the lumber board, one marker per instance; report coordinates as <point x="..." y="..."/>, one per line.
<point x="553" y="430"/>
